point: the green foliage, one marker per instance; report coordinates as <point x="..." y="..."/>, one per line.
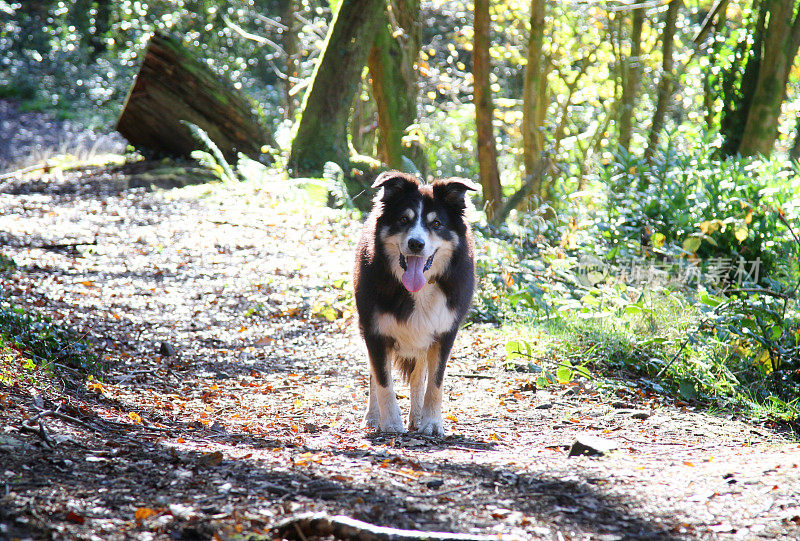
<point x="213" y="160"/>
<point x="692" y="204"/>
<point x="728" y="339"/>
<point x="40" y="342"/>
<point x="6" y="263"/>
<point x="70" y="57"/>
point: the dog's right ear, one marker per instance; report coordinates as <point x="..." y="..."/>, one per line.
<point x="394" y="182"/>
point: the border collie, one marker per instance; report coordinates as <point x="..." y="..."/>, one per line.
<point x="414" y="277"/>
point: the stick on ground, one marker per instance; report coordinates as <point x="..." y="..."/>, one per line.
<point x="342" y="527"/>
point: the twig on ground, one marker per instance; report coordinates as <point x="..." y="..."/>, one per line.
<point x="37" y="431"/>
<point x="472" y="376"/>
<point x="61" y="245"/>
<point x="63" y="417"/>
<point x="342" y="527"/>
<point x="448" y="491"/>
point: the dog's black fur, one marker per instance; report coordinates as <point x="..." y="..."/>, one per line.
<point x="414" y="330"/>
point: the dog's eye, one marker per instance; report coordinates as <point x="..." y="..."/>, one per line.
<point x="404" y="220"/>
<point x="436" y="224"/>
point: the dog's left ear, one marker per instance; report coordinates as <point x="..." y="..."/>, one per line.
<point x="453" y="190"/>
<point x="394" y="182"/>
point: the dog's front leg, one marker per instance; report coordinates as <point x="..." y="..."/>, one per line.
<point x="372" y="418"/>
<point x="381" y="389"/>
<point x="417" y="391"/>
<point x="431" y="423"/>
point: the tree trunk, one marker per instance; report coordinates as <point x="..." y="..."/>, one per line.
<point x="781" y="41"/>
<point x="102" y="26"/>
<point x="710" y="81"/>
<point x="632" y="77"/>
<point x="534" y="98"/>
<point x="290" y="47"/>
<point x="174" y="86"/>
<point x="665" y="84"/>
<point x="738" y="98"/>
<point x="794" y="152"/>
<point x="322" y="131"/>
<point x="482" y="96"/>
<point x="394" y="79"/>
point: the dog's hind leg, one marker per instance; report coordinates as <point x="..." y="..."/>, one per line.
<point x="431" y="422"/>
<point x="416" y="382"/>
<point x="382" y="387"/>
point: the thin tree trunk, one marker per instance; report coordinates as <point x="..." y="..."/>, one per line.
<point x="534" y="97"/>
<point x="290" y="47"/>
<point x="781" y="42"/>
<point x="709" y="89"/>
<point x="322" y="131"/>
<point x="482" y="95"/>
<point x="794" y="152"/>
<point x="665" y="84"/>
<point x="394" y="79"/>
<point x="102" y="26"/>
<point x="633" y="75"/>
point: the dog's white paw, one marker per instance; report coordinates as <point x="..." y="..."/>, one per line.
<point x="393" y="427"/>
<point x="371" y="421"/>
<point x="392" y="423"/>
<point x="432" y="426"/>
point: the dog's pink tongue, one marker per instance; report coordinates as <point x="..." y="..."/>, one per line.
<point x="412" y="277"/>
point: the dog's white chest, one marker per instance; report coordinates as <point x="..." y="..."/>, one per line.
<point x="430" y="318"/>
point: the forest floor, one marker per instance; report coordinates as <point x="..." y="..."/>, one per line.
<point x="231" y="403"/>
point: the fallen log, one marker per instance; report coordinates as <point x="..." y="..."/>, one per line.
<point x="342" y="527"/>
<point x="173" y="86"/>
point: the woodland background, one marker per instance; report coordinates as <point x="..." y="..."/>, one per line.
<point x="179" y="355"/>
<point x="638" y="160"/>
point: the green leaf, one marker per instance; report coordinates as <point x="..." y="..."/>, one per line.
<point x="518" y="348"/>
<point x="691" y="244"/>
<point x="564" y="374"/>
<point x="687" y="390"/>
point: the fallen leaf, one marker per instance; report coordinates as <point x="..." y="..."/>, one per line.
<point x="143" y="513"/>
<point x="210" y="459"/>
<point x="75" y="518"/>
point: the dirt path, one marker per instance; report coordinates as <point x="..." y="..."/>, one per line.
<point x="232" y="403"/>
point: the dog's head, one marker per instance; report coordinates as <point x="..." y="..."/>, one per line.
<point x="420" y="225"/>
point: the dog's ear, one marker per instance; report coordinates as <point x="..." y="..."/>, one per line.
<point x="453" y="191"/>
<point x="393" y="182"/>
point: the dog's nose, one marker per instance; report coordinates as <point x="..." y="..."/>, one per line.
<point x="415" y="245"/>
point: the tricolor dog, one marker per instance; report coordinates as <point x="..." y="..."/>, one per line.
<point x="414" y="277"/>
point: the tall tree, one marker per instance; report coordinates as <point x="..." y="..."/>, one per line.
<point x="394" y="78"/>
<point x="484" y="109"/>
<point x="535" y="100"/>
<point x="632" y="74"/>
<point x="665" y="83"/>
<point x="321" y="134"/>
<point x="292" y="65"/>
<point x="779" y="47"/>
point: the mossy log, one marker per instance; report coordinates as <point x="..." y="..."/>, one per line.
<point x="174" y="86"/>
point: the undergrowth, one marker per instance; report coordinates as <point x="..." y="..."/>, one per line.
<point x="32" y="347"/>
<point x="682" y="274"/>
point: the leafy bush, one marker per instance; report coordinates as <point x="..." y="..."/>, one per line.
<point x="43" y="343"/>
<point x="723" y="338"/>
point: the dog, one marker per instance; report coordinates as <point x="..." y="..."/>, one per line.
<point x="413" y="279"/>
